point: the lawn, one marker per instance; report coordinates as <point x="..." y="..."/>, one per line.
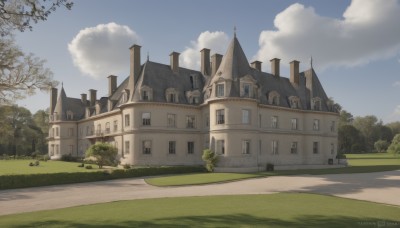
<point x="273" y="210"/>
<point x="11" y="167"/>
<point x="358" y="163"/>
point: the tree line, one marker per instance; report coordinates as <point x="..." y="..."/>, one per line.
<point x="364" y="134"/>
<point x="22" y="133"/>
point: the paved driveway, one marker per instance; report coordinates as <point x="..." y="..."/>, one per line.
<point x="382" y="187"/>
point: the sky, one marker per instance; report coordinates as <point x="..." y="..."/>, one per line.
<point x="354" y="45"/>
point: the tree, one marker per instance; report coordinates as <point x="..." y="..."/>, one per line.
<point x="345" y="118"/>
<point x="21" y="74"/>
<point x="210" y="158"/>
<point x="394" y="148"/>
<point x="367" y="126"/>
<point x="19" y="15"/>
<point x="350" y="139"/>
<point x="381" y="145"/>
<point x="104" y="153"/>
<point x="395" y="127"/>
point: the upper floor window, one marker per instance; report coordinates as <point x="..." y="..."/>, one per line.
<point x="316" y="125"/>
<point x="294" y="124"/>
<point x="98" y="129"/>
<point x="245" y="116"/>
<point x="207" y="120"/>
<point x="127" y="120"/>
<point x="246" y="147"/>
<point x="172" y="95"/>
<point x="294" y="102"/>
<point x="333" y="124"/>
<point x="146" y="119"/>
<point x="171" y="120"/>
<point x="70" y="132"/>
<point x="274" y="122"/>
<point x="193" y="81"/>
<point x="108" y="127"/>
<point x="220" y="91"/>
<point x="57" y="132"/>
<point x="220" y="116"/>
<point x="70" y="115"/>
<point x="332" y="148"/>
<point x="115" y="125"/>
<point x="146" y="93"/>
<point x="190" y="121"/>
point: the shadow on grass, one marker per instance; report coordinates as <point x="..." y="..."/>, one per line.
<point x="344" y="170"/>
<point x="230" y="220"/>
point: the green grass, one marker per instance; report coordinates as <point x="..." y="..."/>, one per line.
<point x="201" y="178"/>
<point x="15" y="167"/>
<point x="358" y="163"/>
<point x="274" y="210"/>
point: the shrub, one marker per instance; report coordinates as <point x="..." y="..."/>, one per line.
<point x="381" y="145"/>
<point x="81" y="165"/>
<point x="210" y="158"/>
<point x="31" y="164"/>
<point x="37" y="163"/>
<point x="127" y="166"/>
<point x="88" y="167"/>
<point x="104" y="154"/>
<point x="69" y="158"/>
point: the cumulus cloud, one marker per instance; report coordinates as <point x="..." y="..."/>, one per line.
<point x="102" y="50"/>
<point x="396" y="84"/>
<point x="368" y="31"/>
<point x="216" y="41"/>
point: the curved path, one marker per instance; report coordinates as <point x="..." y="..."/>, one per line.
<point x="382" y="187"/>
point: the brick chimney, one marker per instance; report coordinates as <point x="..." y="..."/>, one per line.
<point x="174" y="60"/>
<point x="294" y="72"/>
<point x="205" y="61"/>
<point x="275" y="67"/>
<point x="134" y="66"/>
<point x="112" y="84"/>
<point x="93" y="99"/>
<point x="84" y="98"/>
<point x="215" y="62"/>
<point x="256" y="65"/>
<point x="53" y="99"/>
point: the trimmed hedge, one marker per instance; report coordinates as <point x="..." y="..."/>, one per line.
<point x="36" y="180"/>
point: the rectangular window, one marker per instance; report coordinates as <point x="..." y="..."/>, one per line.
<point x="107" y="127"/>
<point x="127" y="120"/>
<point x="171" y="147"/>
<point x="195" y="100"/>
<point x="246" y="90"/>
<point x="57" y="149"/>
<point x="315" y="147"/>
<point x="146" y="119"/>
<point x="171" y="120"/>
<point x="220" y="147"/>
<point x="98" y="132"/>
<point x="332" y="148"/>
<point x="245" y="116"/>
<point x="333" y="124"/>
<point x="190" y="147"/>
<point x="57" y="132"/>
<point x="171" y="97"/>
<point x="146" y="147"/>
<point x="127" y="147"/>
<point x="220" y="116"/>
<point x="274" y="147"/>
<point x="207" y="120"/>
<point x="87" y="130"/>
<point x="71" y="149"/>
<point x="316" y="125"/>
<point x="92" y="130"/>
<point x="246" y="147"/>
<point x="145" y="95"/>
<point x="293" y="149"/>
<point x="294" y="124"/>
<point x="115" y="125"/>
<point x="190" y="121"/>
<point x="274" y="122"/>
<point x="220" y="92"/>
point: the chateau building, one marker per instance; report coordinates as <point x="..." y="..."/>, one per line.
<point x="167" y="115"/>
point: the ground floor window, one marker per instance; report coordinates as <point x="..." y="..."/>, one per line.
<point x="190" y="147"/>
<point x="220" y="147"/>
<point x="315" y="147"/>
<point x="274" y="145"/>
<point x="127" y="147"/>
<point x="171" y="147"/>
<point x="146" y="147"/>
<point x="246" y="146"/>
<point x="293" y="149"/>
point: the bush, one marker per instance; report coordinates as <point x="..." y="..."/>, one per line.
<point x="81" y="165"/>
<point x="31" y="164"/>
<point x="88" y="167"/>
<point x="69" y="158"/>
<point x="37" y="163"/>
<point x="104" y="154"/>
<point x="210" y="158"/>
<point x="340" y="156"/>
<point x="127" y="166"/>
<point x="35" y="180"/>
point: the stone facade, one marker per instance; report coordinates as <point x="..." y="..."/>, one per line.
<point x="167" y="115"/>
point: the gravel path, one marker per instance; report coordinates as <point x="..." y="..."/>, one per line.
<point x="382" y="187"/>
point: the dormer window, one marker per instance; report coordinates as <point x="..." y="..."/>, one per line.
<point x="193" y="81"/>
<point x="124" y="97"/>
<point x="294" y="102"/>
<point x="70" y="115"/>
<point x="172" y="95"/>
<point x="316" y="104"/>
<point x="273" y="98"/>
<point x="248" y="86"/>
<point x="246" y="90"/>
<point x="193" y="97"/>
<point x="146" y="93"/>
<point x="220" y="90"/>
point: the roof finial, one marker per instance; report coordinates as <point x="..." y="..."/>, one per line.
<point x="234" y="31"/>
<point x="62" y="84"/>
<point x="148" y="56"/>
<point x="311" y="62"/>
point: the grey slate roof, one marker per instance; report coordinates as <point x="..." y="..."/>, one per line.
<point x="234" y="65"/>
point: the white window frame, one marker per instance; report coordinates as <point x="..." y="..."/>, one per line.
<point x="146" y="119"/>
<point x="245" y="116"/>
<point x="127" y="120"/>
<point x="220" y="147"/>
<point x="246" y="146"/>
<point x="220" y="90"/>
<point x="146" y="146"/>
<point x="171" y="120"/>
<point x="294" y="124"/>
<point x="274" y="122"/>
<point x="275" y="146"/>
<point x="220" y="116"/>
<point x="316" y="125"/>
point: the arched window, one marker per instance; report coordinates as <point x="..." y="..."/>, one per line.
<point x="273" y="98"/>
<point x="172" y="95"/>
<point x="294" y="102"/>
<point x="146" y="93"/>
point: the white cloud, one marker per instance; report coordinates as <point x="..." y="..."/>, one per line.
<point x="216" y="41"/>
<point x="102" y="50"/>
<point x="368" y="31"/>
<point x="396" y="84"/>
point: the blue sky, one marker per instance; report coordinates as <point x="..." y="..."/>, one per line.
<point x="355" y="45"/>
